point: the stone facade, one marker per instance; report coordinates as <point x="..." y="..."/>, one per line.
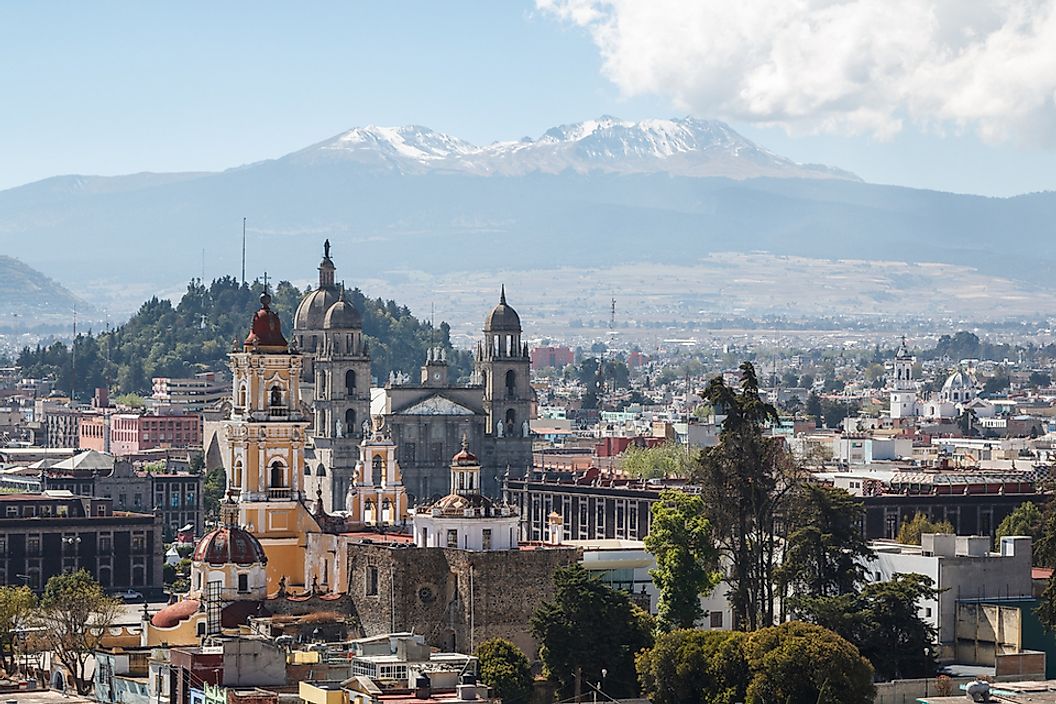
<point x="455" y="598"/>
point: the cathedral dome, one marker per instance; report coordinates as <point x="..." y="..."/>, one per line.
<point x="959" y="380"/>
<point x="229" y="544"/>
<point x="502" y="318"/>
<point x="312" y="310"/>
<point x="456" y="504"/>
<point x="266" y="330"/>
<point x="342" y="315"/>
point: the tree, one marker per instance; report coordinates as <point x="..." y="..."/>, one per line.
<point x="803" y="662"/>
<point x="910" y="531"/>
<point x="884" y="622"/>
<point x="16" y="605"/>
<point x="505" y="669"/>
<point x="744" y="480"/>
<point x="1025" y="519"/>
<point x="1039" y="379"/>
<point x="825" y="551"/>
<point x="587" y="627"/>
<point x="213" y="491"/>
<point x="660" y="461"/>
<point x="75" y="614"/>
<point x="966" y="422"/>
<point x="814" y="406"/>
<point x="694" y="667"/>
<point x="686" y="558"/>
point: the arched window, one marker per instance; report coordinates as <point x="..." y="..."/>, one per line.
<point x="276" y="396"/>
<point x="511" y="384"/>
<point x="307" y="470"/>
<point x="350" y="422"/>
<point x="236" y="474"/>
<point x="321" y="472"/>
<point x="322" y="381"/>
<point x="242" y="396"/>
<point x="278" y="475"/>
<point x="511" y="421"/>
<point x="375" y="470"/>
<point x="350" y="382"/>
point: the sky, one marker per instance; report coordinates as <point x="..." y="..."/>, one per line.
<point x="952" y="95"/>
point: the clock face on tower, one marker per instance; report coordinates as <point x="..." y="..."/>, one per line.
<point x="436" y="376"/>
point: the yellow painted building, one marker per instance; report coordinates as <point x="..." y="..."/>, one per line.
<point x="264" y="448"/>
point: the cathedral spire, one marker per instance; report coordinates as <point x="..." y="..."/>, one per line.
<point x="502" y="295"/>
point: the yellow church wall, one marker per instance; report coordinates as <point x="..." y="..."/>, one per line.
<point x="285" y="559"/>
<point x="183" y="633"/>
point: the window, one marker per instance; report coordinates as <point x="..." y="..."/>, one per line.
<point x="243" y="582"/>
<point x="485" y="539"/>
<point x="278" y="475"/>
<point x="174" y="500"/>
<point x="716" y="619"/>
<point x="372" y="580"/>
<point x="276" y="396"/>
<point x="104" y="543"/>
<point x="452" y="538"/>
<point x="12" y="511"/>
<point x="29" y="511"/>
<point x="33" y="545"/>
<point x="321" y="472"/>
<point x="375" y="470"/>
<point x="350" y="383"/>
<point x="139" y="542"/>
<point x="350" y="422"/>
<point x="927" y="612"/>
<point x="3" y="544"/>
<point x="511" y="384"/>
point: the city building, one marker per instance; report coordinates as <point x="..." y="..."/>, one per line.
<point x="189" y="394"/>
<point x="45" y="534"/>
<point x="551" y="357"/>
<point x="961" y="567"/>
<point x="175" y="497"/>
<point x="134" y="433"/>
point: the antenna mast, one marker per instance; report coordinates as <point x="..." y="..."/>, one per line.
<point x="243" y="251"/>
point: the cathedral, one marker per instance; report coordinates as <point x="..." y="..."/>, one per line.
<point x="425" y="421"/>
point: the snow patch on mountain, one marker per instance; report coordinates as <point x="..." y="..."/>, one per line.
<point x="681" y="146"/>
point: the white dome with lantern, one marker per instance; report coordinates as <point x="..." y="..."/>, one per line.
<point x="465" y="519"/>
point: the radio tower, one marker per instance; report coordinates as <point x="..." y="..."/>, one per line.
<point x="612" y="314"/>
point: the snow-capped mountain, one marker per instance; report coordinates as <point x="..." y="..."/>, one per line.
<point x="684" y="147"/>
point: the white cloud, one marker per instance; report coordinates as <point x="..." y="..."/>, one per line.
<point x="836" y="65"/>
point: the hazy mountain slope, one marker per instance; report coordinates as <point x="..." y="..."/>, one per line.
<point x="28" y="297"/>
<point x="410" y="198"/>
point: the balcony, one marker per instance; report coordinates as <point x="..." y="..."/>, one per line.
<point x="280" y="494"/>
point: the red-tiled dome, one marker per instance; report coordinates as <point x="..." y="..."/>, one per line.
<point x="174" y="613"/>
<point x="227" y="545"/>
<point x="465" y="458"/>
<point x="266" y="330"/>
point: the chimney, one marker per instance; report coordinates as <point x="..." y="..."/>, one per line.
<point x="557" y="528"/>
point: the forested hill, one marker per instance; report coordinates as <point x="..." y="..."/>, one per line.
<point x="197" y="334"/>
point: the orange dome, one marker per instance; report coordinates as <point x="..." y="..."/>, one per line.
<point x="174" y="613"/>
<point x="267" y="329"/>
<point x="229" y="545"/>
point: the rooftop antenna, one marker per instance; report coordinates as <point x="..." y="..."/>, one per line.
<point x="243" y="251"/>
<point x="202" y="278"/>
<point x="265" y="282"/>
<point x="612" y="315"/>
<point x="73" y="358"/>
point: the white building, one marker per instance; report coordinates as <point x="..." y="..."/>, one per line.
<point x="465" y="518"/>
<point x="905" y="402"/>
<point x="961" y="567"/>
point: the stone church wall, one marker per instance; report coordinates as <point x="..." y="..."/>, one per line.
<point x="455" y="598"/>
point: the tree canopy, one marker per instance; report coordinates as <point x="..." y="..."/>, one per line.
<point x="744" y="481"/>
<point x="910" y="531"/>
<point x="16" y="605"/>
<point x="587" y="627"/>
<point x="686" y="558"/>
<point x="505" y="669"/>
<point x="792" y="662"/>
<point x="660" y="461"/>
<point x="197" y="333"/>
<point x="75" y="614"/>
<point x="825" y="551"/>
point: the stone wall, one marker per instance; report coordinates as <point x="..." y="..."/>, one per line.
<point x="455" y="598"/>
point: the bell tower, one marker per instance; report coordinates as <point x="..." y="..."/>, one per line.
<point x="264" y="441"/>
<point x="503" y="368"/>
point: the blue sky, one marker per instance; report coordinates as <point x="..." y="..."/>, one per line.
<point x="120" y="87"/>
